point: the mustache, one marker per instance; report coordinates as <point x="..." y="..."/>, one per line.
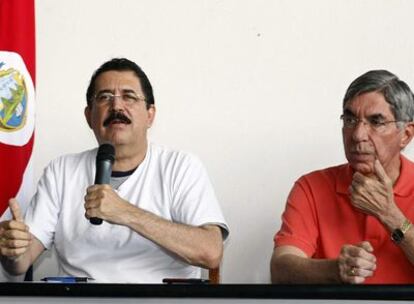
<point x="116" y="116"/>
<point x="362" y="150"/>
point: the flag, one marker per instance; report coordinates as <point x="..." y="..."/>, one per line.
<point x="17" y="77"/>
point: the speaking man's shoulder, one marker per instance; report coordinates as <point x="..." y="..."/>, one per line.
<point x="171" y="156"/>
<point x="73" y="160"/>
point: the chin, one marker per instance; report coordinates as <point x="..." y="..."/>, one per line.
<point x="363" y="168"/>
<point x="115" y="138"/>
<point x="118" y="141"/>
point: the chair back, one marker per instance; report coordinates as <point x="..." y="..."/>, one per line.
<point x="214" y="275"/>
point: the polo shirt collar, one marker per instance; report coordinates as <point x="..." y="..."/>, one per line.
<point x="405" y="182"/>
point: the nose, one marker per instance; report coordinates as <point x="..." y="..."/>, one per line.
<point x="360" y="132"/>
<point x="117" y="102"/>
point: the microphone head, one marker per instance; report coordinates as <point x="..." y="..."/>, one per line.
<point x="106" y="152"/>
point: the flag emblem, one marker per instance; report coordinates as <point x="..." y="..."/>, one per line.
<point x="16" y="100"/>
<point x="13" y="99"/>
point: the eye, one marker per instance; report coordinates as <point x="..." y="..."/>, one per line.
<point x="104" y="97"/>
<point x="130" y="97"/>
<point x="376" y="122"/>
<point x="349" y="120"/>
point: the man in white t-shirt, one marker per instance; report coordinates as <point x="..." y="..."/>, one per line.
<point x="160" y="214"/>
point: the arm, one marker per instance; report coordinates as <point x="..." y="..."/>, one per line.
<point x="200" y="246"/>
<point x="18" y="248"/>
<point x="394" y="220"/>
<point x="299" y="237"/>
<point x="374" y="195"/>
<point x="289" y="265"/>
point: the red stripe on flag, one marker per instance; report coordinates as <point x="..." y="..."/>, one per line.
<point x="17" y="31"/>
<point x="17" y="34"/>
<point x="13" y="163"/>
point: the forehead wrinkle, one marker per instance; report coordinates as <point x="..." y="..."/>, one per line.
<point x="113" y="81"/>
<point x="370" y="111"/>
<point x="348" y="112"/>
<point x="122" y="89"/>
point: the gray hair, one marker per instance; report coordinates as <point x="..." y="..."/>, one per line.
<point x="395" y="91"/>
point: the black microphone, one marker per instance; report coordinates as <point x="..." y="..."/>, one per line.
<point x="104" y="160"/>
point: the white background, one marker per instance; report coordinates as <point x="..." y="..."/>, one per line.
<point x="253" y="87"/>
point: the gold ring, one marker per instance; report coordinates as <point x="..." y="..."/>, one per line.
<point x="353" y="271"/>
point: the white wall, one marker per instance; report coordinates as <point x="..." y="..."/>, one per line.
<point x="253" y="87"/>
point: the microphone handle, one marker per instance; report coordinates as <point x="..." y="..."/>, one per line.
<point x="103" y="172"/>
<point x="95" y="221"/>
<point x="103" y="176"/>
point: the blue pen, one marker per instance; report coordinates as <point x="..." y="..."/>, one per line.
<point x="65" y="279"/>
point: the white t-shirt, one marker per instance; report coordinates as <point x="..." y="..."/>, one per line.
<point x="170" y="184"/>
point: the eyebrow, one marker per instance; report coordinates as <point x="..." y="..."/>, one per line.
<point x="129" y="91"/>
<point x="377" y="116"/>
<point x="123" y="91"/>
<point x="348" y="112"/>
<point x="104" y="91"/>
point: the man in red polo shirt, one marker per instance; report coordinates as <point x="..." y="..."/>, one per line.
<point x="352" y="223"/>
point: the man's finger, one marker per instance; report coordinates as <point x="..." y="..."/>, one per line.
<point x="379" y="171"/>
<point x="360" y="252"/>
<point x="366" y="245"/>
<point x="15" y="210"/>
<point x="17" y="243"/>
<point x="17" y="235"/>
<point x="358" y="178"/>
<point x="13" y="252"/>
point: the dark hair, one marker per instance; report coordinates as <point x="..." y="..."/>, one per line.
<point x="121" y="64"/>
<point x="395" y="91"/>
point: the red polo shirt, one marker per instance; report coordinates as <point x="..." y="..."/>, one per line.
<point x="319" y="219"/>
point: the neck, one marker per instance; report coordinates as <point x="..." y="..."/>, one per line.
<point x="128" y="158"/>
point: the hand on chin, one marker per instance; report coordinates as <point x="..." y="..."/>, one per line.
<point x="365" y="168"/>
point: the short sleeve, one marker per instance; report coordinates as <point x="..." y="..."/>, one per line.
<point x="299" y="221"/>
<point x="193" y="199"/>
<point x="43" y="212"/>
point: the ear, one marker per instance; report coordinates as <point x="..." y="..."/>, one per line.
<point x="151" y="116"/>
<point x="408" y="133"/>
<point x="87" y="113"/>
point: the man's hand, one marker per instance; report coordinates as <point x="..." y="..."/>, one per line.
<point x="15" y="237"/>
<point x="373" y="194"/>
<point x="103" y="202"/>
<point x="356" y="263"/>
